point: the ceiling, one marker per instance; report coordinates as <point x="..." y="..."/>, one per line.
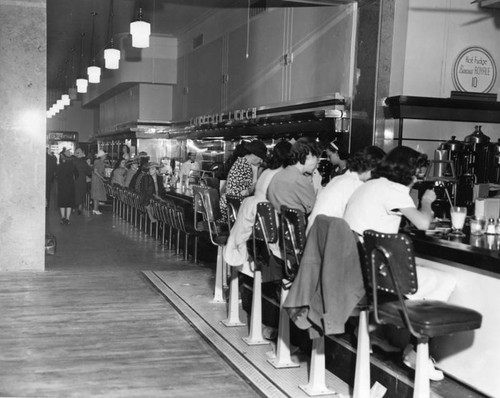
<point x="68" y="19"/>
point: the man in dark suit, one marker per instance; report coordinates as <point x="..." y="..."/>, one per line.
<point x="51" y="167"/>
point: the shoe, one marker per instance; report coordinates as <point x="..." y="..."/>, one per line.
<point x="67" y="221"/>
<point x="96" y="212"/>
<point x="269" y="333"/>
<point x="63" y="221"/>
<point x="410" y="359"/>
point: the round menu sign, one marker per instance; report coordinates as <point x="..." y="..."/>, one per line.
<point x="474" y="71"/>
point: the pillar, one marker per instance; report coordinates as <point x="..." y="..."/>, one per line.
<point x="22" y="134"/>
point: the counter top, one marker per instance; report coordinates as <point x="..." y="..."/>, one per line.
<point x="482" y="252"/>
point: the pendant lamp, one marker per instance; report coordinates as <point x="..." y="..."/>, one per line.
<point x="140" y="31"/>
<point x="81" y="82"/>
<point x="111" y="54"/>
<point x="93" y="71"/>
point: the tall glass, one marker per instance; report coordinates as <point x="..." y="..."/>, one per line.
<point x="458" y="215"/>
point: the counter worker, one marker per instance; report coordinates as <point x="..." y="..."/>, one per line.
<point x="189" y="165"/>
<point x="336" y="158"/>
<point x="379" y="205"/>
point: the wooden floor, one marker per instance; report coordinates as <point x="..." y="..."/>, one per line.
<point x="91" y="325"/>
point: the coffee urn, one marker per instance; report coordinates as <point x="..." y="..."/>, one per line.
<point x="454" y="151"/>
<point x="480" y="155"/>
<point x="495" y="174"/>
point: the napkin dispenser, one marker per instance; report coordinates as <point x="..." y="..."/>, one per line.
<point x="487" y="208"/>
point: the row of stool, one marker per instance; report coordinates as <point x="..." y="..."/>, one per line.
<point x="389" y="266"/>
<point x="168" y="220"/>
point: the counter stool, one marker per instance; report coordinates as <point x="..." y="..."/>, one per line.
<point x="266" y="227"/>
<point x="293" y="241"/>
<point x="174" y="224"/>
<point x="206" y="204"/>
<point x="233" y="311"/>
<point x="188" y="230"/>
<point x="391" y="274"/>
<point x="163" y="219"/>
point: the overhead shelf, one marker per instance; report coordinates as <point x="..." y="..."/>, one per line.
<point x="430" y="108"/>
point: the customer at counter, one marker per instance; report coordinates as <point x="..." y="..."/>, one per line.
<point x="243" y="175"/>
<point x="379" y="205"/>
<point x="332" y="199"/>
<point x="293" y="186"/>
<point x="132" y="168"/>
<point x="235" y="251"/>
<point x="151" y="186"/>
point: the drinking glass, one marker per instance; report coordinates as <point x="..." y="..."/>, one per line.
<point x="477" y="226"/>
<point x="458" y="215"/>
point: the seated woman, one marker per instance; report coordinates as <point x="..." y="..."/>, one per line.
<point x="151" y="186"/>
<point x="380" y="204"/>
<point x="242" y="177"/>
<point x="235" y="252"/>
<point x="293" y="187"/>
<point x="333" y="198"/>
<point x="118" y="174"/>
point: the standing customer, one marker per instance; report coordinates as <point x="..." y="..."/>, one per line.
<point x="84" y="171"/>
<point x="97" y="190"/>
<point x="66" y="175"/>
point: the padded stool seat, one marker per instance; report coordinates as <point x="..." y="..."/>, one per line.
<point x="430" y="317"/>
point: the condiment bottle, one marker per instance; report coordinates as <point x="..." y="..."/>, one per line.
<point x="490" y="228"/>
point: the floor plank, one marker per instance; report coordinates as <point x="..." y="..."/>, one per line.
<point x="91" y="326"/>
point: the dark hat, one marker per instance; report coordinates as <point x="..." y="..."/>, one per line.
<point x="258" y="148"/>
<point x="131" y="162"/>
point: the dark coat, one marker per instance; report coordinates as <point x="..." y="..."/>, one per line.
<point x="66" y="175"/>
<point x="148" y="188"/>
<point x="84" y="171"/>
<point x="329" y="283"/>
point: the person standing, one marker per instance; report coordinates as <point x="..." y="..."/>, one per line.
<point x="97" y="190"/>
<point x="51" y="169"/>
<point x="189" y="165"/>
<point x="84" y="171"/>
<point x="66" y="175"/>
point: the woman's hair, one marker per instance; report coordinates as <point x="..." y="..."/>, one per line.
<point x="365" y="159"/>
<point x="125" y="146"/>
<point x="301" y="149"/>
<point x="280" y="155"/>
<point x="400" y="165"/>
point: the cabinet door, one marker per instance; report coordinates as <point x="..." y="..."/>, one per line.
<point x="258" y="79"/>
<point x="204" y="77"/>
<point x="321" y="47"/>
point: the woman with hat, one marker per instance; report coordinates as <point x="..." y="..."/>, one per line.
<point x="84" y="171"/>
<point x="243" y="174"/>
<point x="97" y="190"/>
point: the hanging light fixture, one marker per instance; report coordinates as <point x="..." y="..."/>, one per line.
<point x="81" y="82"/>
<point x="93" y="71"/>
<point x="72" y="90"/>
<point x="140" y="31"/>
<point x="111" y="54"/>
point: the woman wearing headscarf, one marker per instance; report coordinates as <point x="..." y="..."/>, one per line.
<point x="97" y="190"/>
